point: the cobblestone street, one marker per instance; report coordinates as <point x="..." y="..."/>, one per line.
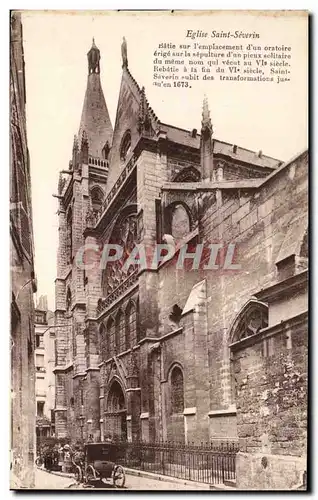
<point x="46" y="480"/>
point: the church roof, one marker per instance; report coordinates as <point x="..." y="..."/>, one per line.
<point x="186" y="138"/>
<point x="95" y="120"/>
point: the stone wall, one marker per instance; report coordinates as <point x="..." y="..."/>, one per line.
<point x="256" y="220"/>
<point x="272" y="410"/>
<point x="178" y="162"/>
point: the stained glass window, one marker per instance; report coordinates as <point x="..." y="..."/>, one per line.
<point x="97" y="197"/>
<point x="103" y="342"/>
<point x="111" y="337"/>
<point x="120" y="333"/>
<point x="125" y="235"/>
<point x="177" y="391"/>
<point x="131" y="326"/>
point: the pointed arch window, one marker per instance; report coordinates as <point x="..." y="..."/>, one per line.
<point x="110" y="346"/>
<point x="125" y="235"/>
<point x="252" y="318"/>
<point x="74" y="346"/>
<point x="189" y="174"/>
<point x="131" y="325"/>
<point x="120" y="333"/>
<point x="177" y="390"/>
<point x="97" y="197"/>
<point x="69" y="236"/>
<point x="103" y="342"/>
<point x="68" y="300"/>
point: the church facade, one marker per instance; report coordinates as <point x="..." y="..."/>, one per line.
<point x="167" y="352"/>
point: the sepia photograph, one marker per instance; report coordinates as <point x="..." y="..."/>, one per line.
<point x="159" y="250"/>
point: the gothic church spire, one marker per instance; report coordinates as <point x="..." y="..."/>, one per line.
<point x="95" y="120"/>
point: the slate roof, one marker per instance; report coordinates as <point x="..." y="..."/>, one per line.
<point x="95" y="118"/>
<point x="185" y="138"/>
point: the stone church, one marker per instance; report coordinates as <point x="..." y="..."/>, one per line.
<point x="174" y="353"/>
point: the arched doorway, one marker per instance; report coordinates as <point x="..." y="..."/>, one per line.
<point x="116" y="412"/>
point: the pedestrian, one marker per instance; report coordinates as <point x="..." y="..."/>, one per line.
<point x="67" y="464"/>
<point x="61" y="458"/>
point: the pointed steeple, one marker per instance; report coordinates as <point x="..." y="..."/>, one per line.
<point x="134" y="117"/>
<point x="206" y="146"/>
<point x="124" y="53"/>
<point x="95" y="121"/>
<point x="206" y="120"/>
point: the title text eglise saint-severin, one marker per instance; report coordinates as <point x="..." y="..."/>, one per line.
<point x="193" y="34"/>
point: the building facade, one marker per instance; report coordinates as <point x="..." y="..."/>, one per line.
<point x="23" y="283"/>
<point x="165" y="351"/>
<point x="44" y="366"/>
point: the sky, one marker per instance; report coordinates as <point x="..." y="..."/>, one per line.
<point x="262" y="116"/>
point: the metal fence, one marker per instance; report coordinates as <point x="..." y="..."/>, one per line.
<point x="211" y="463"/>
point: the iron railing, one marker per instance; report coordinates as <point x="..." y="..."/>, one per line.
<point x="211" y="463"/>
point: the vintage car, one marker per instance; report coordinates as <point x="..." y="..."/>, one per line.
<point x="98" y="466"/>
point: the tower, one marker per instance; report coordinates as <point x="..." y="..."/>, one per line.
<point x="80" y="193"/>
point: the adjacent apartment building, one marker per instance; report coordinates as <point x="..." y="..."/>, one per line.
<point x="23" y="284"/>
<point x="44" y="366"/>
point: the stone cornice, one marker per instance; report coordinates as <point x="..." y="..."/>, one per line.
<point x="190" y="411"/>
<point x="60" y="309"/>
<point x="93" y="320"/>
<point x="165" y="337"/>
<point x="212" y="186"/>
<point x="63" y="368"/>
<point x="79" y="374"/>
<point x="220" y="413"/>
<point x="283" y="288"/>
<point x="271" y="331"/>
<point x="277" y="171"/>
<point x="66" y="274"/>
<point x="81" y="304"/>
<point x="148" y="339"/>
<point x="118" y="301"/>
